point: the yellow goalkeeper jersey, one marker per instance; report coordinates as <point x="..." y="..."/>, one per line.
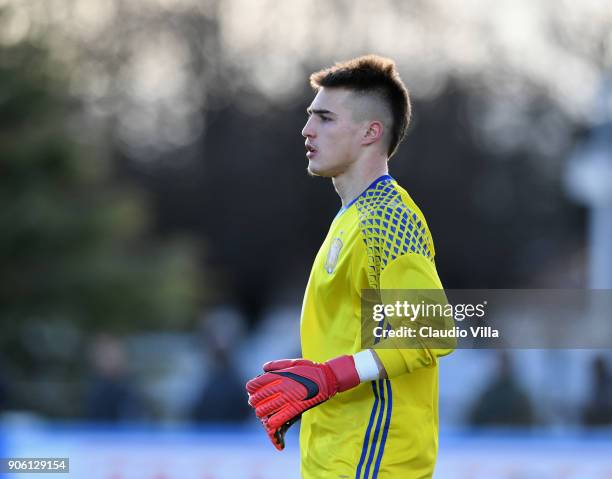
<point x="385" y="428"/>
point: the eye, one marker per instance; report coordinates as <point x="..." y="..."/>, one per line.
<point x="325" y="119"/>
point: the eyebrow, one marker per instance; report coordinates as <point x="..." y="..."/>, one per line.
<point x="310" y="111"/>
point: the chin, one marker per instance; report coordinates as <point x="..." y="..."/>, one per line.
<point x="316" y="170"/>
<point x="313" y="170"/>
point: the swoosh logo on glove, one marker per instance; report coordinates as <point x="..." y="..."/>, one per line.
<point x="311" y="387"/>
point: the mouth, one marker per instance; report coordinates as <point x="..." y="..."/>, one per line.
<point x="310" y="151"/>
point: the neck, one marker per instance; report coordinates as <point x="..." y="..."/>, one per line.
<point x="352" y="182"/>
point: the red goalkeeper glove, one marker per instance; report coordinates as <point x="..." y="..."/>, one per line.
<point x="289" y="387"/>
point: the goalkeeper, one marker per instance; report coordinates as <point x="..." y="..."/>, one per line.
<point x="365" y="413"/>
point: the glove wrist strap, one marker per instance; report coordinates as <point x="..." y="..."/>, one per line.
<point x="345" y="372"/>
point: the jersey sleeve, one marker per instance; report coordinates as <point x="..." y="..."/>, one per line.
<point x="398" y="260"/>
<point x="418" y="273"/>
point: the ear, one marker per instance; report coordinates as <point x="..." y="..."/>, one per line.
<point x="373" y="133"/>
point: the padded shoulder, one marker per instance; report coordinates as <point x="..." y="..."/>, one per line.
<point x="390" y="228"/>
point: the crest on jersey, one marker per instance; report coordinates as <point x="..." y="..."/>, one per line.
<point x="333" y="255"/>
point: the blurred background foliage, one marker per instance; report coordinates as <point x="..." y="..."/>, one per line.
<point x="76" y="251"/>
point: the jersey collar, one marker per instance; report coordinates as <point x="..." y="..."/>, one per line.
<point x="374" y="183"/>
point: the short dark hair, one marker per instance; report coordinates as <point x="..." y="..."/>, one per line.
<point x="376" y="75"/>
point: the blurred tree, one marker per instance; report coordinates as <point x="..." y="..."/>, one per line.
<point x="74" y="250"/>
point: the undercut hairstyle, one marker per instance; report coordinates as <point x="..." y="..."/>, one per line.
<point x="376" y="76"/>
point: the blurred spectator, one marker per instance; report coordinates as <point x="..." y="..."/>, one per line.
<point x="503" y="402"/>
<point x="110" y="396"/>
<point x="598" y="410"/>
<point x="223" y="397"/>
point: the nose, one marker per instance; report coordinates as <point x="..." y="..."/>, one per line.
<point x="308" y="130"/>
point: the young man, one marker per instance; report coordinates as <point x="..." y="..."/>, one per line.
<point x="384" y="421"/>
